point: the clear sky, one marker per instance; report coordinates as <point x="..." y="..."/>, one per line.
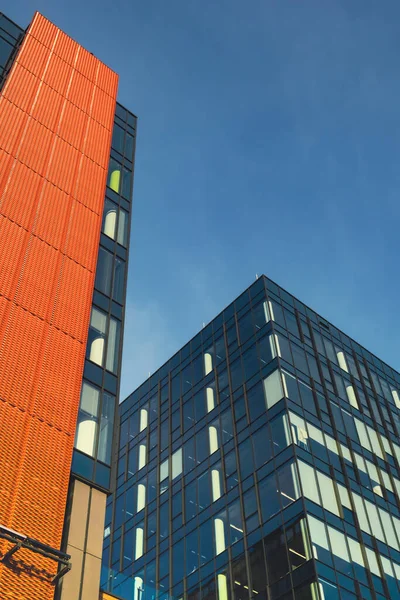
<point x="268" y="142"/>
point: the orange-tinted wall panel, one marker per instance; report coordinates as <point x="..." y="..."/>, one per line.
<point x="56" y="118"/>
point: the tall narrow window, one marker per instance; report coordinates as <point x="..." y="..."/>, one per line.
<point x="97" y="336"/>
<point x="104" y="272"/>
<point x="215" y="484"/>
<point x="219" y="533"/>
<point x="110" y="219"/>
<point x="142" y="456"/>
<point x="86" y="431"/>
<point x="119" y="279"/>
<point x="268" y="311"/>
<point x="122" y="228"/>
<point x="176" y="466"/>
<point x="207" y="363"/>
<point x="341" y="360"/>
<point x="213" y="439"/>
<point x="210" y="399"/>
<point x="141" y="497"/>
<point x="139" y="543"/>
<point x="351" y="396"/>
<point x="113" y="345"/>
<point x="118" y="139"/>
<point x="222" y="587"/>
<point x="114" y="175"/>
<point x="126" y="183"/>
<point x="106" y="428"/>
<point x="143" y="419"/>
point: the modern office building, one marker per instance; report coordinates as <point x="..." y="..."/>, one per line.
<point x="262" y="461"/>
<point x="66" y="174"/>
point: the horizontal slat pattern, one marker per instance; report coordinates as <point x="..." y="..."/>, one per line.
<point x="54" y="149"/>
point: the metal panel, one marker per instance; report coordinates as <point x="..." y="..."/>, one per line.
<point x="51" y="198"/>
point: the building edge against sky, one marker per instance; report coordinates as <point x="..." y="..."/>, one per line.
<point x="67" y="158"/>
<point x="261" y="461"/>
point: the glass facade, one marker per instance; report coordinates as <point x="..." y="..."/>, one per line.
<point x="10" y="37"/>
<point x="261" y="461"/>
<point x="99" y="396"/>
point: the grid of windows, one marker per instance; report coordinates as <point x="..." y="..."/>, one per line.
<point x="263" y="460"/>
<point x="99" y="397"/>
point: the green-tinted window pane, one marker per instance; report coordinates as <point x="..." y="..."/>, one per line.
<point x="114" y="175"/>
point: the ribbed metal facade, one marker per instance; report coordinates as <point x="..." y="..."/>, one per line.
<point x="56" y="117"/>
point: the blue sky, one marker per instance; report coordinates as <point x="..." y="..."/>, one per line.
<point x="268" y="142"/>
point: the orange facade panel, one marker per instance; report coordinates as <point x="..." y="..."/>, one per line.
<point x="54" y="148"/>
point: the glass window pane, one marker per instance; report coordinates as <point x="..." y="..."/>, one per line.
<point x="104" y="271"/>
<point x="123" y="228"/>
<point x="96" y="337"/>
<point x="308" y="482"/>
<point x="119" y="280"/>
<point x="113" y="345"/>
<point x="319" y="540"/>
<point x="273" y="388"/>
<point x="327" y="493"/>
<point x="129" y="146"/>
<point x="118" y="138"/>
<point x="106" y="428"/>
<point x="114" y="175"/>
<point x="177" y="463"/>
<point x="126" y="184"/>
<point x="109" y="218"/>
<point x="86" y="430"/>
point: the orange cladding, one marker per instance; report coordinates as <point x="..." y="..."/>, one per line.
<point x="56" y="117"/>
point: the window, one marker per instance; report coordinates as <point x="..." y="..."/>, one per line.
<point x="118" y="139"/>
<point x="129" y="146"/>
<point x="122" y="228"/>
<point x="126" y="183"/>
<point x="351" y="396"/>
<point x="109" y="226"/>
<point x="113" y="345"/>
<point x="97" y="337"/>
<point x="119" y="279"/>
<point x="86" y="431"/>
<point x="177" y="463"/>
<point x="106" y="428"/>
<point x="114" y="175"/>
<point x="104" y="271"/>
<point x="319" y="540"/>
<point x="273" y="389"/>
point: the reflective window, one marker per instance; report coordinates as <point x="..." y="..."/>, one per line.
<point x="106" y="428"/>
<point x="114" y="175"/>
<point x="123" y="228"/>
<point x="119" y="280"/>
<point x="113" y="345"/>
<point x="118" y="138"/>
<point x="273" y="389"/>
<point x="110" y="213"/>
<point x="86" y="430"/>
<point x="97" y="337"/>
<point x="104" y="272"/>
